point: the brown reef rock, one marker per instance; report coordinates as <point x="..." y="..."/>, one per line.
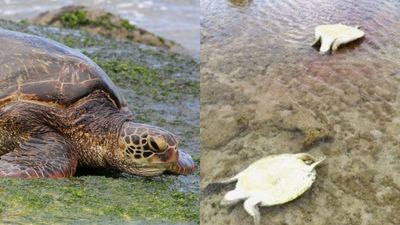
<point x="103" y="23"/>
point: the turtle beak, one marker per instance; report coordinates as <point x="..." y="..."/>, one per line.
<point x="174" y="161"/>
<point x="184" y="164"/>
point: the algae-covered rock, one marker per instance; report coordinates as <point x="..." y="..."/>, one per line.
<point x="161" y="89"/>
<point x="312" y="130"/>
<point x="104" y="23"/>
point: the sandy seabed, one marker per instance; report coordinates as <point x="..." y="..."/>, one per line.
<point x="265" y="90"/>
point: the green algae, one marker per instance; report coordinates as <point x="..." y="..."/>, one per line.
<point x="92" y="199"/>
<point x="79" y="18"/>
<point x="125" y="24"/>
<point x="75" y="19"/>
<point x="314" y="135"/>
<point x="147" y="81"/>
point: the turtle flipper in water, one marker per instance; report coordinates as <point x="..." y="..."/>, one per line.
<point x="46" y="155"/>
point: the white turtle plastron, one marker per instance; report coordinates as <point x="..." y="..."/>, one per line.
<point x="271" y="181"/>
<point x="333" y="35"/>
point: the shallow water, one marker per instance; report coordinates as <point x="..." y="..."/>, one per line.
<point x="271" y="92"/>
<point x="177" y="20"/>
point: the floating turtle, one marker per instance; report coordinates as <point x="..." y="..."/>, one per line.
<point x="58" y="110"/>
<point x="334" y="35"/>
<point x="272" y="180"/>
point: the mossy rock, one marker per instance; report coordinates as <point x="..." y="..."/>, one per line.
<point x="313" y="135"/>
<point x="313" y="130"/>
<point x="103" y="23"/>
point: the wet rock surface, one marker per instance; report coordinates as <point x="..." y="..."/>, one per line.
<point x="104" y="23"/>
<point x="162" y="89"/>
<point x="259" y="70"/>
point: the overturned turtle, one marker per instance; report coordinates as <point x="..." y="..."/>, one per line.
<point x="331" y="36"/>
<point x="59" y="110"/>
<point x="272" y="180"/>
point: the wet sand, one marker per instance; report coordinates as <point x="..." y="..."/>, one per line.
<point x="265" y="91"/>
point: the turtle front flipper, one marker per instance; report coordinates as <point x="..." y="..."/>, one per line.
<point x="44" y="155"/>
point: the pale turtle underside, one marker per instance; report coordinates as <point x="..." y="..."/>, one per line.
<point x="333" y="35"/>
<point x="271" y="181"/>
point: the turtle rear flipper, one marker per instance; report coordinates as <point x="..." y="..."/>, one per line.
<point x="45" y="155"/>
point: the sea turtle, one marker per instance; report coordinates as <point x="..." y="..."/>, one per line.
<point x="334" y="35"/>
<point x="58" y="110"/>
<point x="272" y="180"/>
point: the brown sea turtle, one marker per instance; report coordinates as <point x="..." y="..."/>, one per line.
<point x="58" y="110"/>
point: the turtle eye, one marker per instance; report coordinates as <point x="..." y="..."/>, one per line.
<point x="158" y="144"/>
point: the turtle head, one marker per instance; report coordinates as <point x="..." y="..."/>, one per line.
<point x="149" y="151"/>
